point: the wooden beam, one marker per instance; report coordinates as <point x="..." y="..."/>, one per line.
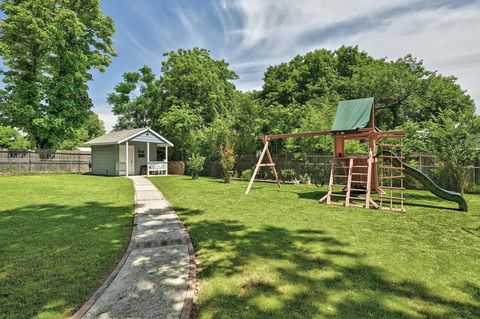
<point x="349" y="182"/>
<point x="370" y="162"/>
<point x="327" y="198"/>
<point x="257" y="167"/>
<point x="295" y="135"/>
<point x="352" y="135"/>
<point x="272" y="165"/>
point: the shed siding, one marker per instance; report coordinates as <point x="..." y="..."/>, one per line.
<point x="148" y="138"/>
<point x="104" y="158"/>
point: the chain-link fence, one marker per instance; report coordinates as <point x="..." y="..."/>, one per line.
<point x="316" y="168"/>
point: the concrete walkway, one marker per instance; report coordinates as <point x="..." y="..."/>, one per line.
<point x="156" y="279"/>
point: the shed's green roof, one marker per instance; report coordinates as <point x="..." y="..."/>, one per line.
<point x="352" y="115"/>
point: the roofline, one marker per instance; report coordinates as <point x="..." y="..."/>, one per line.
<point x="132" y="136"/>
<point x="143" y="131"/>
<point x="115" y="143"/>
<point x="104" y="143"/>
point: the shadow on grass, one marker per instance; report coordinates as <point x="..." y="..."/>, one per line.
<point x="317" y="275"/>
<point x="475" y="231"/>
<point x="54" y="256"/>
<point x="411" y="199"/>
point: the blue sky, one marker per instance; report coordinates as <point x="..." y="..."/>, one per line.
<point x="252" y="34"/>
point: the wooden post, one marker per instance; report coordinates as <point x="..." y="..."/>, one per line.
<point x="148" y="158"/>
<point x="166" y="159"/>
<point x="327" y="198"/>
<point x="330" y="182"/>
<point x="349" y="182"/>
<point x="273" y="167"/>
<point x="257" y="167"/>
<point x="369" y="178"/>
<point x="126" y="158"/>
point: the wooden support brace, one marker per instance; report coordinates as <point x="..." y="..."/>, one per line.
<point x="260" y="164"/>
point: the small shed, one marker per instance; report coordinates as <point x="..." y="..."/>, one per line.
<point x="140" y="151"/>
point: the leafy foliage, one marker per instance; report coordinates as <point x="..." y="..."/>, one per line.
<point x="193" y="80"/>
<point x="453" y="138"/>
<point x="49" y="49"/>
<point x="92" y="128"/>
<point x="196" y="105"/>
<point x="247" y="174"/>
<point x="137" y="99"/>
<point x="195" y="164"/>
<point x="181" y="125"/>
<point x="11" y="138"/>
<point x="190" y="103"/>
<point x="227" y="160"/>
<point x="287" y="174"/>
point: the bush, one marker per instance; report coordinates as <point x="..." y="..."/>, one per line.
<point x="287" y="174"/>
<point x="305" y="179"/>
<point x="227" y="160"/>
<point x="195" y="164"/>
<point x="247" y="174"/>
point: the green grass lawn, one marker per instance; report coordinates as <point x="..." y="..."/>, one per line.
<point x="60" y="235"/>
<point x="278" y="253"/>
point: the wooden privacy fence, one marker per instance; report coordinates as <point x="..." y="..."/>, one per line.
<point x="43" y="161"/>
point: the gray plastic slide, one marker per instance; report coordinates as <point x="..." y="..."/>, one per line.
<point x="430" y="185"/>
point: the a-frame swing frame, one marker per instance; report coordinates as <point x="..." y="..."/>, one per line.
<point x="265" y="151"/>
<point x="260" y="163"/>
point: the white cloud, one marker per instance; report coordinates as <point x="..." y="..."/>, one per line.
<point x="280" y="23"/>
<point x="442" y="33"/>
<point x="108" y="118"/>
<point x="446" y="39"/>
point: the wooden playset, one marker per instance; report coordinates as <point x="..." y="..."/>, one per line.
<point x="354" y="177"/>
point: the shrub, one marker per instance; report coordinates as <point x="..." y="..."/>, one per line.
<point x="305" y="179"/>
<point x="247" y="174"/>
<point x="287" y="174"/>
<point x="195" y="164"/>
<point x="227" y="160"/>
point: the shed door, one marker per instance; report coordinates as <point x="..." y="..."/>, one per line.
<point x="131" y="157"/>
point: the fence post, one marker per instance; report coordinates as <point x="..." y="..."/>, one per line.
<point x="29" y="162"/>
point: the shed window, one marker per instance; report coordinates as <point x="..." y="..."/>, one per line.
<point x="141" y="153"/>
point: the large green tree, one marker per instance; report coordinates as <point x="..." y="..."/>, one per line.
<point x="49" y="48"/>
<point x="190" y="103"/>
<point x="137" y="100"/>
<point x="194" y="103"/>
<point x="93" y="127"/>
<point x="403" y="90"/>
<point x="193" y="79"/>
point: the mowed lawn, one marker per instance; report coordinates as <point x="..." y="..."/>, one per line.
<point x="278" y="253"/>
<point x="60" y="235"/>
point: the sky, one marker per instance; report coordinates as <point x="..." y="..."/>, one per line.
<point x="253" y="34"/>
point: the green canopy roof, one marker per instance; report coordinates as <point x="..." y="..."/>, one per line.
<point x="352" y="115"/>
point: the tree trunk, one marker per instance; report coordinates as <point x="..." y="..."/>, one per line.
<point x="461" y="185"/>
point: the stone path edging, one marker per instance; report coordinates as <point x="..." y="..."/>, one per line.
<point x="156" y="277"/>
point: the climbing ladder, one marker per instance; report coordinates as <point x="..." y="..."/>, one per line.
<point x="350" y="179"/>
<point x="391" y="173"/>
